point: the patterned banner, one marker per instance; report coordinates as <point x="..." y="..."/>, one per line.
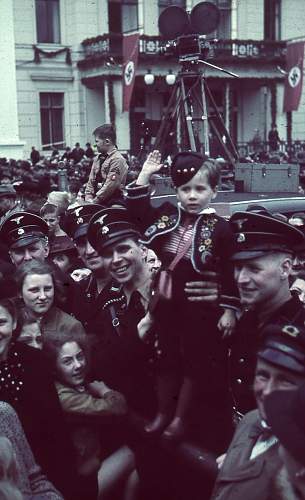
<point x="130" y="61"/>
<point x="294" y="77"/>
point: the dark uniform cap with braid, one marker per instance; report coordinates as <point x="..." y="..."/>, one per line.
<point x="284" y="345"/>
<point x="76" y="220"/>
<point x="22" y="229"/>
<point x="257" y="234"/>
<point x="185" y="165"/>
<point x="110" y="226"/>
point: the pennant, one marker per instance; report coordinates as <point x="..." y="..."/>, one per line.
<point x="130" y="61"/>
<point x="294" y="76"/>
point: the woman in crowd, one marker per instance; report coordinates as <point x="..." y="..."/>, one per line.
<point x="17" y="464"/>
<point x="39" y="290"/>
<point x="26" y="384"/>
<point x="87" y="406"/>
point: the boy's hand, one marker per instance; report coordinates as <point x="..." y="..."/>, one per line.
<point x="227" y="322"/>
<point x="151" y="166"/>
<point x="203" y="291"/>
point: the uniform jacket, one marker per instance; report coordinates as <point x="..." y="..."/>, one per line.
<point x="88" y="303"/>
<point x="240" y="478"/>
<point x="212" y="243"/>
<point x="120" y="358"/>
<point x="107" y="178"/>
<point x="244" y="345"/>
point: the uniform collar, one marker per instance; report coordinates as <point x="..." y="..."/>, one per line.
<point x="112" y="151"/>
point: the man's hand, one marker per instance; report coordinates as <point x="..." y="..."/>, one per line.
<point x="203" y="291"/>
<point x="227" y="322"/>
<point x="151" y="166"/>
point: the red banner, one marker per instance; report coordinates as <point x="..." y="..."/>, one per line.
<point x="130" y="62"/>
<point x="294" y="77"/>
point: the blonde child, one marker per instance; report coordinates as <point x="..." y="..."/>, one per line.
<point x="192" y="325"/>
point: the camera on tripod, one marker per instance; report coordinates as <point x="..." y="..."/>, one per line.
<point x="188" y="47"/>
<point x="187" y="32"/>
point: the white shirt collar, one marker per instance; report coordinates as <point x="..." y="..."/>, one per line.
<point x="208" y="210"/>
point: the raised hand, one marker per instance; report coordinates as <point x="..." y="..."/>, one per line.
<point x="151" y="166"/>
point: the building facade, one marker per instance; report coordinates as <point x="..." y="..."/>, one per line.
<point x="62" y="61"/>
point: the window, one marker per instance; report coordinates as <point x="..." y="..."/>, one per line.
<point x="51" y="119"/>
<point x="123" y="16"/>
<point x="47" y="21"/>
<point x="272" y="19"/>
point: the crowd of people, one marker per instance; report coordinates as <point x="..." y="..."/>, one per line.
<point x="148" y="353"/>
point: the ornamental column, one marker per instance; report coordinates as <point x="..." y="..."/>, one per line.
<point x="10" y="144"/>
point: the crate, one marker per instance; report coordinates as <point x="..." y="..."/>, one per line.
<point x="267" y="178"/>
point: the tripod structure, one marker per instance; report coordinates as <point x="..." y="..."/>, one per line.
<point x="192" y="111"/>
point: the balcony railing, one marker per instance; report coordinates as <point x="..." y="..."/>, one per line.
<point x="294" y="148"/>
<point x="110" y="45"/>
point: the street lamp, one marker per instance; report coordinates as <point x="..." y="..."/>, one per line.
<point x="149" y="78"/>
<point x="170" y="78"/>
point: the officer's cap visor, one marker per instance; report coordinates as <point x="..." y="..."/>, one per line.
<point x="116" y="238"/>
<point x="81" y="231"/>
<point x="28" y="240"/>
<point x="284" y="360"/>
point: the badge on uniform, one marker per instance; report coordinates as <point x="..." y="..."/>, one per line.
<point x="241" y="238"/>
<point x="291" y="330"/>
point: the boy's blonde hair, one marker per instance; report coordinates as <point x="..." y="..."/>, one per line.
<point x="212" y="170"/>
<point x="49" y="208"/>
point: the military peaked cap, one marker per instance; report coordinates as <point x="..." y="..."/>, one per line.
<point x="257" y="234"/>
<point x="110" y="226"/>
<point x="22" y="228"/>
<point x="284" y="345"/>
<point x="76" y="220"/>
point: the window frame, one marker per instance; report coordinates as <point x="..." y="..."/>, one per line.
<point x="50" y="107"/>
<point x="54" y="41"/>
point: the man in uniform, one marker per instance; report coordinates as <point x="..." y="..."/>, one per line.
<point x="263" y="261"/>
<point x="109" y="170"/>
<point x="252" y="460"/>
<point x="26" y="237"/>
<point x="90" y="294"/>
<point x="121" y="359"/>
